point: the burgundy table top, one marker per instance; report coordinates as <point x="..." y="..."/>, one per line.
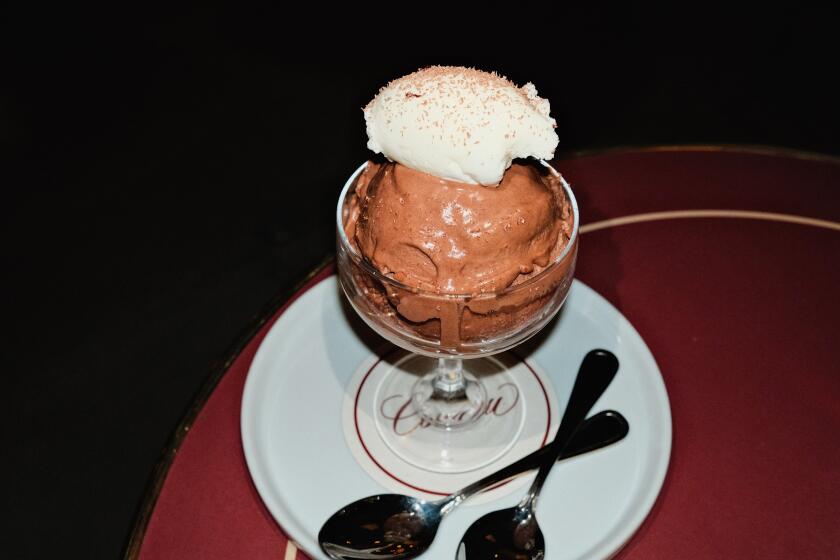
<point x="727" y="262"/>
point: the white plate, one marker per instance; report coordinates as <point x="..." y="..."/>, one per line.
<point x="304" y="471"/>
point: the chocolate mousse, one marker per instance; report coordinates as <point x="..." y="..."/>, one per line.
<point x="445" y="217"/>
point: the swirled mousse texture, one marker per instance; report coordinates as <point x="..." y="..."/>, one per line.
<point x="459" y="238"/>
<point x="459" y="123"/>
<point x="439" y="238"/>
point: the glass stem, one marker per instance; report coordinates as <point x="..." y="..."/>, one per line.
<point x="449" y="381"/>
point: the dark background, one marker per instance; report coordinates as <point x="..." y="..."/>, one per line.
<point x="165" y="174"/>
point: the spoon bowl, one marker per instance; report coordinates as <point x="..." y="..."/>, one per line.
<point x="506" y="534"/>
<point x="382" y="526"/>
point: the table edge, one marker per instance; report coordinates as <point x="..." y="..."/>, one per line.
<point x="749" y="149"/>
<point x="217" y="372"/>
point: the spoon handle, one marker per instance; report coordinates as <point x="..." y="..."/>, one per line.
<point x="596" y="373"/>
<point x="600" y="430"/>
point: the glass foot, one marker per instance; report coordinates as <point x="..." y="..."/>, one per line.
<point x="450" y="423"/>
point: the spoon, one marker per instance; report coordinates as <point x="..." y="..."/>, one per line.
<point x="394" y="526"/>
<point x="513" y="533"/>
<point x="356" y="531"/>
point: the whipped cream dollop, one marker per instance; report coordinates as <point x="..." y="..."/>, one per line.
<point x="459" y="123"/>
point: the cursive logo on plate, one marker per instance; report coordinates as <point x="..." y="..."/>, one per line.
<point x="404" y="420"/>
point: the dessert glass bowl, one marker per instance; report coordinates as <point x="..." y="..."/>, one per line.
<point x="451" y="349"/>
